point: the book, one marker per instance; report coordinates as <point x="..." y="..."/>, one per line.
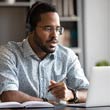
<point x="74" y="38"/>
<point x="28" y="104"/>
<point x="60" y="7"/>
<point x="71" y="8"/>
<point x="65" y="8"/>
<point x="55" y="3"/>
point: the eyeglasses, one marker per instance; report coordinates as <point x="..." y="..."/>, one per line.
<point x="59" y="30"/>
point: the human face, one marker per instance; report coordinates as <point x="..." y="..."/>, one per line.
<point x="46" y="40"/>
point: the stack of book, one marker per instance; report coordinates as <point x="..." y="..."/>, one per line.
<point x="65" y="7"/>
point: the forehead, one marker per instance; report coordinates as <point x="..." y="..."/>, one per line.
<point x="50" y="17"/>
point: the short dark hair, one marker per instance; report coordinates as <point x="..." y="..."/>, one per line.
<point x="36" y="10"/>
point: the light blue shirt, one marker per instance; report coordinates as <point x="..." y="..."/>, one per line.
<point x="21" y="69"/>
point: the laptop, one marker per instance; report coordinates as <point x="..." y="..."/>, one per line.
<point x="99" y="88"/>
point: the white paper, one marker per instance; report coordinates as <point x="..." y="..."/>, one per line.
<point x="28" y="104"/>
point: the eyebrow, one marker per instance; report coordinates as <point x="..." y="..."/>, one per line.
<point x="50" y="26"/>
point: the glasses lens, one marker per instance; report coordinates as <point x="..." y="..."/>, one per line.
<point x="49" y="29"/>
<point x="60" y="30"/>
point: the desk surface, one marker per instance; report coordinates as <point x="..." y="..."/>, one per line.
<point x="65" y="108"/>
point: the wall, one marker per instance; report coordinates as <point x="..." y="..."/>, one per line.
<point x="12" y="23"/>
<point x="96" y="22"/>
<point x="109" y="27"/>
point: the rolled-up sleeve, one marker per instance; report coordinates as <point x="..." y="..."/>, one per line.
<point x="76" y="76"/>
<point x="8" y="71"/>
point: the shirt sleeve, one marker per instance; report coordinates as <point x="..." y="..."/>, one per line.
<point x="76" y="78"/>
<point x="8" y="71"/>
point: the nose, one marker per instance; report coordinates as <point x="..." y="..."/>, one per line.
<point x="54" y="33"/>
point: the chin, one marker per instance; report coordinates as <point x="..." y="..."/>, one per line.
<point x="51" y="50"/>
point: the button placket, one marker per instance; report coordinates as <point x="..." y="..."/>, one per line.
<point x="40" y="80"/>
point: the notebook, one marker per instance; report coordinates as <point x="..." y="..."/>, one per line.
<point x="27" y="104"/>
<point x="99" y="88"/>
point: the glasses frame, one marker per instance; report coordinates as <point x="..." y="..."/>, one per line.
<point x="50" y="29"/>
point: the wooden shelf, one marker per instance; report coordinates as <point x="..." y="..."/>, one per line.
<point x="20" y="4"/>
<point x="28" y="4"/>
<point x="69" y="21"/>
<point x="71" y="18"/>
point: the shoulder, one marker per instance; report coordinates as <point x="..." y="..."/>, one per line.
<point x="10" y="49"/>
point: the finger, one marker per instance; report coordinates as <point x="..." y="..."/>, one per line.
<point x="52" y="82"/>
<point x="53" y="85"/>
<point x="56" y="86"/>
<point x="60" y="91"/>
<point x="59" y="95"/>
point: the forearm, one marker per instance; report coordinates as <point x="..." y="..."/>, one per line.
<point x="78" y="96"/>
<point x="17" y="96"/>
<point x="60" y="91"/>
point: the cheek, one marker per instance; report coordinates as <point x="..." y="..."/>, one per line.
<point x="43" y="36"/>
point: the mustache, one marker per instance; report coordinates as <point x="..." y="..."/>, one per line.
<point x="53" y="40"/>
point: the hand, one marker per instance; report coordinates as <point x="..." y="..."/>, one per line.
<point x="60" y="90"/>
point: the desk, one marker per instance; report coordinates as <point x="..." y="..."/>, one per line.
<point x="65" y="108"/>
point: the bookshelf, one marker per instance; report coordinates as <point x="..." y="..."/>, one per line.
<point x="71" y="20"/>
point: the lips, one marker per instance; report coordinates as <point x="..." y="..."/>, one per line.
<point x="53" y="43"/>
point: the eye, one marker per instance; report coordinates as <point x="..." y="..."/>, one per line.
<point x="48" y="28"/>
<point x="60" y="29"/>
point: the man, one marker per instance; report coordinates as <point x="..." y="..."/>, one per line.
<point x="38" y="68"/>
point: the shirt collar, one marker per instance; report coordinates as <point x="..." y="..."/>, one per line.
<point x="27" y="50"/>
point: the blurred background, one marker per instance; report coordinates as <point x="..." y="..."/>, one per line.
<point x="86" y="23"/>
